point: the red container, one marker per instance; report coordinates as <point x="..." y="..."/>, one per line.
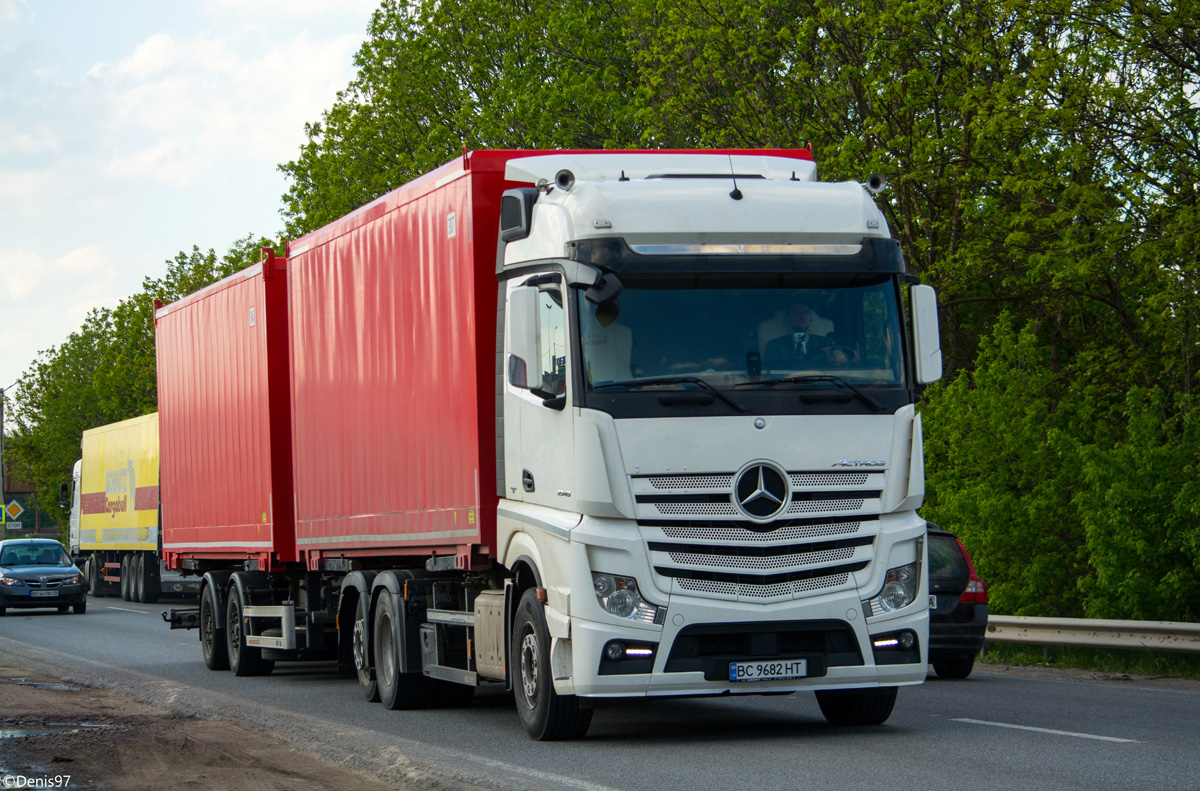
<point x="224" y="420"/>
<point x="393" y="330"/>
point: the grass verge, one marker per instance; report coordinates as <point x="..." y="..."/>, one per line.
<point x="1142" y="663"/>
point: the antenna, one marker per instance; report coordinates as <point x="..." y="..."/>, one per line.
<point x="736" y="194"/>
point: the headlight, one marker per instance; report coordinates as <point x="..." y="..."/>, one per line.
<point x="72" y="580"/>
<point x="11" y="582"/>
<point x="619" y="596"/>
<point x="899" y="590"/>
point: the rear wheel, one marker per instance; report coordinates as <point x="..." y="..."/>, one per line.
<point x="954" y="668"/>
<point x="546" y="715"/>
<point x="397" y="690"/>
<point x="126" y="578"/>
<point x="857" y="706"/>
<point x="136" y="566"/>
<point x="244" y="660"/>
<point x="148" y="581"/>
<point x="360" y="646"/>
<point x="212" y="639"/>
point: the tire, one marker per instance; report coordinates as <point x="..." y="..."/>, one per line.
<point x="244" y="660"/>
<point x="80" y="606"/>
<point x="546" y="715"/>
<point x="2" y="611"/>
<point x="396" y="690"/>
<point x="857" y="706"/>
<point x="126" y="578"/>
<point x="954" y="668"/>
<point x="136" y="566"/>
<point x="89" y="574"/>
<point x="360" y="647"/>
<point x="148" y="581"/>
<point x="212" y="639"/>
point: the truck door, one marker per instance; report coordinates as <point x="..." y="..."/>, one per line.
<point x="538" y="436"/>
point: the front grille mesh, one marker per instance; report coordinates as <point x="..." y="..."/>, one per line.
<point x="773" y="591"/>
<point x="826" y="510"/>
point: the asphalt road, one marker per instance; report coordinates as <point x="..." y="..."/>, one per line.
<point x="992" y="731"/>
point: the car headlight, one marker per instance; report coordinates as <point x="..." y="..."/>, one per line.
<point x="72" y="580"/>
<point x="11" y="582"/>
<point x="619" y="596"/>
<point x="899" y="590"/>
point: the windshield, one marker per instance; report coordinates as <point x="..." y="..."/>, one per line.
<point x="34" y="555"/>
<point x="744" y="331"/>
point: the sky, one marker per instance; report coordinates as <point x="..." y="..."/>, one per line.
<point x="131" y="130"/>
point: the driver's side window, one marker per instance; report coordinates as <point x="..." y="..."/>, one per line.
<point x="550" y="376"/>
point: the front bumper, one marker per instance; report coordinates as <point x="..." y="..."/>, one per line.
<point x="24" y="598"/>
<point x="830" y="634"/>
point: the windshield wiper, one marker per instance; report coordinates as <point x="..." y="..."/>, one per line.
<point x="812" y="378"/>
<point x="675" y="380"/>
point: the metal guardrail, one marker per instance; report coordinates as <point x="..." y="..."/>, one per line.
<point x="1137" y="635"/>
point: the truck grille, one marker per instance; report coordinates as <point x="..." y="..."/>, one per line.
<point x="700" y="543"/>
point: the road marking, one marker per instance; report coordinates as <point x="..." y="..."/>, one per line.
<point x="123" y="609"/>
<point x="1049" y="730"/>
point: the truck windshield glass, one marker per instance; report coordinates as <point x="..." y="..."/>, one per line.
<point x="739" y="330"/>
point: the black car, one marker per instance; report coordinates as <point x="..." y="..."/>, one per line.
<point x="38" y="572"/>
<point x="958" y="609"/>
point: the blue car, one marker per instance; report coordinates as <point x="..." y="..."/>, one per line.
<point x="38" y="572"/>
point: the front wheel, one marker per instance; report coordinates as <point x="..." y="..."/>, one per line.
<point x="546" y="715"/>
<point x="857" y="706"/>
<point x="212" y="639"/>
<point x="80" y="606"/>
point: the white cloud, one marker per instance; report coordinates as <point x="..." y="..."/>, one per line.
<point x="12" y="13"/>
<point x="212" y="98"/>
<point x="84" y="260"/>
<point x="151" y="57"/>
<point x="38" y="141"/>
<point x="22" y="270"/>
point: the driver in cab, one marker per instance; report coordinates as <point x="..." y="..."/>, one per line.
<point x="800" y="343"/>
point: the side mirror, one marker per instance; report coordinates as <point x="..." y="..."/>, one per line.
<point x="927" y="346"/>
<point x="64" y="496"/>
<point x="522" y="334"/>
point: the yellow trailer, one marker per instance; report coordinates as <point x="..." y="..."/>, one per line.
<point x="115" y="530"/>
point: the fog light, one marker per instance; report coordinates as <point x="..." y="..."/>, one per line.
<point x="907" y="639"/>
<point x="615" y="651"/>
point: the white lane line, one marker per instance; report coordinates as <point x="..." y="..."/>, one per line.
<point x="1049" y="730"/>
<point x="124" y="609"/>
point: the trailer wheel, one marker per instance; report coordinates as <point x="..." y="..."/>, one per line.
<point x="212" y="639"/>
<point x="89" y="574"/>
<point x="546" y="715"/>
<point x="857" y="706"/>
<point x="147" y="579"/>
<point x="126" y="578"/>
<point x="397" y="690"/>
<point x="244" y="660"/>
<point x="360" y="647"/>
<point x="136" y="565"/>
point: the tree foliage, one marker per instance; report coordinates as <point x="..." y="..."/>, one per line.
<point x="104" y="372"/>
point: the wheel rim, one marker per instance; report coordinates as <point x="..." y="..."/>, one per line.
<point x="235" y="631"/>
<point x="207" y="626"/>
<point x="529" y="667"/>
<point x="359" y="644"/>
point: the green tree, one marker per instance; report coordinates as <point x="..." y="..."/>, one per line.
<point x="104" y="372"/>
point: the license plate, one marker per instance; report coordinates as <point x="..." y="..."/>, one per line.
<point x="768" y="671"/>
<point x="40" y="594"/>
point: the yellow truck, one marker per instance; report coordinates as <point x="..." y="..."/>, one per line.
<point x="115" y="514"/>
